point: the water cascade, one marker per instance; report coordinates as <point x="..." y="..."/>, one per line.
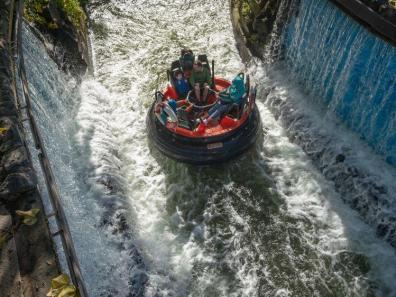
<point x="349" y="68"/>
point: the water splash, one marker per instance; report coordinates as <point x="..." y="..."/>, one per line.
<point x="348" y="68"/>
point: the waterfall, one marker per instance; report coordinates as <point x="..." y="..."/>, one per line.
<point x="347" y="68"/>
<point x="55" y="102"/>
<point x="317" y="92"/>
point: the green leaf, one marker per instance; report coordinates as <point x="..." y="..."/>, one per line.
<point x="61" y="287"/>
<point x="4" y="238"/>
<point x="29" y="217"/>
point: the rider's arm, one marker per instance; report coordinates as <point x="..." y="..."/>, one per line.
<point x="192" y="79"/>
<point x="157" y="107"/>
<point x="208" y="78"/>
<point x="181" y="102"/>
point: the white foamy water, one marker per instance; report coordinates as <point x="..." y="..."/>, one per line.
<point x="267" y="224"/>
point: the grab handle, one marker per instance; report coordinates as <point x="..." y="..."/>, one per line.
<point x="158" y="96"/>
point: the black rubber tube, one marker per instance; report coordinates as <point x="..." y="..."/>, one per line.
<point x="195" y="150"/>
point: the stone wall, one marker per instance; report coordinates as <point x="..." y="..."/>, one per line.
<point x="37" y="262"/>
<point x="65" y="37"/>
<point x="254" y="22"/>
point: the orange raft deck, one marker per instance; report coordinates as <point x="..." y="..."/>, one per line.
<point x="233" y="135"/>
<point x="225" y="125"/>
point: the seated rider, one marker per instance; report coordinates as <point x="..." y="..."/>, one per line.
<point x="186" y="61"/>
<point x="158" y="109"/>
<point x="174" y="105"/>
<point x="232" y="95"/>
<point x="200" y="78"/>
<point x="181" y="84"/>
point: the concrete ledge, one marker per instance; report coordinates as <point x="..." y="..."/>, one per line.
<point x="370" y="18"/>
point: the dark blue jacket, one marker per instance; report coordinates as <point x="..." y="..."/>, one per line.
<point x="182" y="87"/>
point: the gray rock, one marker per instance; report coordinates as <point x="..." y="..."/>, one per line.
<point x="7" y="108"/>
<point x="54" y="12"/>
<point x="15" y="160"/>
<point x="11" y="138"/>
<point x="340" y="158"/>
<point x="261" y="26"/>
<point x="6" y="94"/>
<point x="16" y="184"/>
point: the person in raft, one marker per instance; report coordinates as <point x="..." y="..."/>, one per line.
<point x="200" y="78"/>
<point x="232" y="95"/>
<point x="181" y="84"/>
<point x="174" y="105"/>
<point x="186" y="61"/>
<point x="158" y="109"/>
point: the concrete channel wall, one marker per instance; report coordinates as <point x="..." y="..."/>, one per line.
<point x="28" y="261"/>
<point x="368" y="17"/>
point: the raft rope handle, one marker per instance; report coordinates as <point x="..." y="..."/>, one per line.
<point x="158" y="97"/>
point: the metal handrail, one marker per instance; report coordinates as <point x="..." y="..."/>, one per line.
<point x="64" y="231"/>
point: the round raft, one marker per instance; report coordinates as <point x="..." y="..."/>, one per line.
<point x="177" y="131"/>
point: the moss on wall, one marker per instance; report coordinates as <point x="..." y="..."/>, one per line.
<point x="252" y="9"/>
<point x="37" y="11"/>
<point x="73" y="10"/>
<point x="257" y="19"/>
<point x="63" y="23"/>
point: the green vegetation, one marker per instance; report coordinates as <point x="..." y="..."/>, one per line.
<point x="251" y="8"/>
<point x="61" y="286"/>
<point x="28" y="217"/>
<point x="73" y="9"/>
<point x="36" y="11"/>
<point x="246" y="10"/>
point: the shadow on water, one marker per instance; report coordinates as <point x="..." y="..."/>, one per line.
<point x="115" y="220"/>
<point x="251" y="243"/>
<point x="211" y="205"/>
<point x="240" y="221"/>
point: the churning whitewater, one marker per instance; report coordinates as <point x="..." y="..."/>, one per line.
<point x="267" y="224"/>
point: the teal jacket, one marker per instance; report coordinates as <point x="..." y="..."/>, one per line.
<point x="234" y="93"/>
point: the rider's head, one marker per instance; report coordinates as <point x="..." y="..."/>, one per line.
<point x="198" y="65"/>
<point x="179" y="75"/>
<point x="186" y="51"/>
<point x="183" y="52"/>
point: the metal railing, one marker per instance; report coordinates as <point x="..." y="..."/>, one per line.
<point x="24" y="109"/>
